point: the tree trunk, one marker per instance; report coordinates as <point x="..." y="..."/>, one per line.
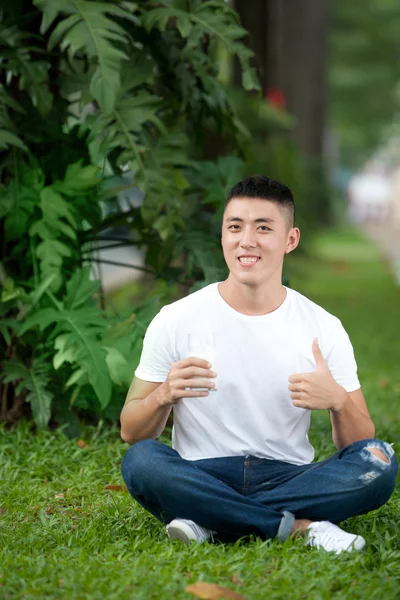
<point x="290" y="41"/>
<point x="297" y="54"/>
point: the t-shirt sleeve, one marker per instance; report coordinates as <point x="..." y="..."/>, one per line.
<point x="341" y="360"/>
<point x="157" y="353"/>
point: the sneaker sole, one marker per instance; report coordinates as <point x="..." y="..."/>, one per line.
<point x="178" y="533"/>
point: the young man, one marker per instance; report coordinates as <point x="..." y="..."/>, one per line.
<point x="241" y="461"/>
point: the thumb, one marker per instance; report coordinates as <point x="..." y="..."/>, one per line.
<point x="319" y="359"/>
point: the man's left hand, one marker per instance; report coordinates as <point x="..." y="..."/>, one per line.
<point x="317" y="390"/>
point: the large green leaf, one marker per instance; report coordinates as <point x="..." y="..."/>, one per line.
<point x="213" y="18"/>
<point x="34" y="78"/>
<point x="7" y="138"/>
<point x="120" y="130"/>
<point x="35" y="380"/>
<point x="94" y="28"/>
<point x="32" y="75"/>
<point x="19" y="203"/>
<point x="156" y="158"/>
<point x="78" y="333"/>
<point x="84" y="326"/>
<point x="78" y="179"/>
<point x="5" y="326"/>
<point x="56" y="228"/>
<point x="41" y="318"/>
<point x="80" y="288"/>
<point x="215" y="179"/>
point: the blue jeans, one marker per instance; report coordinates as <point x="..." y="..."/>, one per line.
<point x="242" y="495"/>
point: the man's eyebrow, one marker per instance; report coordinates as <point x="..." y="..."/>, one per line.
<point x="260" y="220"/>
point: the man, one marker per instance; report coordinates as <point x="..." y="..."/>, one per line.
<point x="241" y="460"/>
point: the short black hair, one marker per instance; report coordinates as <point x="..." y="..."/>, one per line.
<point x="261" y="186"/>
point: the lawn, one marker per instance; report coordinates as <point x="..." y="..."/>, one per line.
<point x="65" y="533"/>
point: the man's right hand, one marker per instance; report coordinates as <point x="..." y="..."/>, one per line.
<point x="188" y="373"/>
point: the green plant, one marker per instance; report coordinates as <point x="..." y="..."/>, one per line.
<point x="99" y="98"/>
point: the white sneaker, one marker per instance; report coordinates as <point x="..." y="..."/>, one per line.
<point x="326" y="535"/>
<point x="188" y="531"/>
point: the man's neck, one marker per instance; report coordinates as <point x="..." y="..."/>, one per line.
<point x="252" y="300"/>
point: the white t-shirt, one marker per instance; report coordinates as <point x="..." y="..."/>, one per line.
<point x="251" y="412"/>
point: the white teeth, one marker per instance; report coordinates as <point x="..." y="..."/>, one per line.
<point x="245" y="259"/>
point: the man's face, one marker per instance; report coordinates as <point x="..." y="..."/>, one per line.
<point x="255" y="239"/>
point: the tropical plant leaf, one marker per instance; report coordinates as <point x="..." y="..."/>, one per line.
<point x="163" y="15"/>
<point x="78" y="179"/>
<point x="8" y="132"/>
<point x="63" y="355"/>
<point x="85" y="327"/>
<point x="35" y="380"/>
<point x="42" y="287"/>
<point x="7" y="138"/>
<point x="117" y="366"/>
<point x="94" y="28"/>
<point x="77" y="333"/>
<point x="5" y="326"/>
<point x="162" y="178"/>
<point x="31" y="299"/>
<point x="80" y="288"/>
<point x="18" y="202"/>
<point x="6" y="100"/>
<point x="203" y="253"/>
<point x="56" y="228"/>
<point x="78" y="376"/>
<point x="41" y="318"/>
<point x="120" y="130"/>
<point x="214" y="18"/>
<point x="11" y="291"/>
<point x="32" y="75"/>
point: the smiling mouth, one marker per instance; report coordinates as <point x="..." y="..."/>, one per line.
<point x="248" y="260"/>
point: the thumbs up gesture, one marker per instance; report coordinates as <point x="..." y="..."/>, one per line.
<point x="317" y="390"/>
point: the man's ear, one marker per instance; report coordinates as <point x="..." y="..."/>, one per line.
<point x="293" y="240"/>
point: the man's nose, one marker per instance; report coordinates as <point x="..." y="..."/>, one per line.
<point x="248" y="239"/>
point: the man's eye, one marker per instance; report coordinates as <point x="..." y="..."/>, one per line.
<point x="234" y="227"/>
<point x="265" y="228"/>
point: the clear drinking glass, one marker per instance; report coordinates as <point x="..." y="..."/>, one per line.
<point x="202" y="345"/>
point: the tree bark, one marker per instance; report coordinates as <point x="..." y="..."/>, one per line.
<point x="290" y="40"/>
<point x="299" y="51"/>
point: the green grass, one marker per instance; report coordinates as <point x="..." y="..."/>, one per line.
<point x="63" y="535"/>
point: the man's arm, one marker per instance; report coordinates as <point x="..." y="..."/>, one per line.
<point x="144" y="415"/>
<point x="148" y="404"/>
<point x="351" y="420"/>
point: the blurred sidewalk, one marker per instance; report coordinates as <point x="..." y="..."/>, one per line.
<point x="387" y="237"/>
<point x="114" y="275"/>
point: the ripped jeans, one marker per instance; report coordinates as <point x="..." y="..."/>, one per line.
<point x="241" y="495"/>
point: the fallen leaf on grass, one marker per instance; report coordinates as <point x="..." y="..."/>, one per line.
<point x="59" y="496"/>
<point x="116" y="488"/>
<point x="211" y="591"/>
<point x="82" y="444"/>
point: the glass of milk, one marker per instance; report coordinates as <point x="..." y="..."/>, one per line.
<point x="202" y="345"/>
